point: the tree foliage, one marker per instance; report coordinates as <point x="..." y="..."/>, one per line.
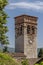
<point x="25" y="62"/>
<point x="6" y="59"/>
<point x="5" y="49"/>
<point x="3" y="21"/>
<point x="41" y="63"/>
<point x="40" y="54"/>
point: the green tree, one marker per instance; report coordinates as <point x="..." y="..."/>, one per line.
<point x="5" y="49"/>
<point x="40" y="54"/>
<point x="3" y="21"/>
<point x="37" y="64"/>
<point x="25" y="62"/>
<point x="41" y="63"/>
<point x="6" y="59"/>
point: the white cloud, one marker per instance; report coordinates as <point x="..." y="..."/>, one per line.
<point x="37" y="5"/>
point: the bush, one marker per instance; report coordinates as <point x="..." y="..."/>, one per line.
<point x="41" y="63"/>
<point x="6" y="59"/>
<point x="25" y="62"/>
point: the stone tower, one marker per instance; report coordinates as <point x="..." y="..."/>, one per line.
<point x="26" y="35"/>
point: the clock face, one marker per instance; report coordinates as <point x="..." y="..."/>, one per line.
<point x="30" y="41"/>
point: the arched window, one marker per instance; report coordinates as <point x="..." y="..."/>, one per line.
<point x="33" y="30"/>
<point x="28" y="29"/>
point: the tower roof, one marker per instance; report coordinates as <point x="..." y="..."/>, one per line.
<point x="26" y="18"/>
<point x="26" y="15"/>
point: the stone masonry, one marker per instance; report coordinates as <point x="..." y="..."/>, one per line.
<point x="26" y="35"/>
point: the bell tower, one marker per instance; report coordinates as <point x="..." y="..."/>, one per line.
<point x="26" y="35"/>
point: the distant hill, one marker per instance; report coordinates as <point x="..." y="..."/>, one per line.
<point x="12" y="50"/>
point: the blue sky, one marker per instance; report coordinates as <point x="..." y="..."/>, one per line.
<point x="29" y="7"/>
